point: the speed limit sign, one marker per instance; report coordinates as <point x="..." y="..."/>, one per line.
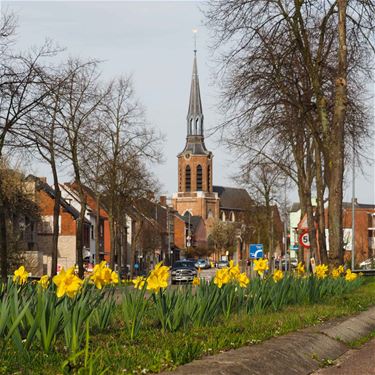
<point x="304" y="239"/>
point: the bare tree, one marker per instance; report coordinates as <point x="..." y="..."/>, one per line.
<point x="131" y="143"/>
<point x="82" y="97"/>
<point x="21" y="90"/>
<point x="304" y="46"/>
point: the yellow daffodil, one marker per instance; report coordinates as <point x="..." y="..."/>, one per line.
<point x="44" y="281"/>
<point x="260" y="266"/>
<point x="243" y="280"/>
<point x="114" y="277"/>
<point x="139" y="282"/>
<point x="350" y="276"/>
<point x="277" y="276"/>
<point x="103" y="275"/>
<point x="222" y="277"/>
<point x="196" y="281"/>
<point x="158" y="278"/>
<point x="321" y="271"/>
<point x="341" y="269"/>
<point x="67" y="283"/>
<point x="233" y="270"/>
<point x="20" y="275"/>
<point x="335" y="273"/>
<point x="300" y="269"/>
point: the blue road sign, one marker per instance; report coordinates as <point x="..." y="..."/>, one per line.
<point x="256" y="250"/>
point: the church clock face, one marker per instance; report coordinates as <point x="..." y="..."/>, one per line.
<point x="187" y="156"/>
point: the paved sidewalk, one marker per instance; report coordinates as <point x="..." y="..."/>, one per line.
<point x="301" y="352"/>
<point x="356" y="361"/>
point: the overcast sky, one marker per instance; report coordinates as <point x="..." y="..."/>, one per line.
<point x="152" y="41"/>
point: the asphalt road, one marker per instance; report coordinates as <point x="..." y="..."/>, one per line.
<point x="354" y="362"/>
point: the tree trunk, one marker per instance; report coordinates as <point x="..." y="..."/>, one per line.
<point x="3" y="244"/>
<point x="56" y="217"/>
<point x="336" y="147"/>
<point x="320" y="214"/>
<point x="97" y="232"/>
<point x="311" y="225"/>
<point x="80" y="239"/>
<point x="113" y="239"/>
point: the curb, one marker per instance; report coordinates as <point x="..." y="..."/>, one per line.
<point x="298" y="352"/>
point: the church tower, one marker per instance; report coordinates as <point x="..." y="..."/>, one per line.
<point x="195" y="168"/>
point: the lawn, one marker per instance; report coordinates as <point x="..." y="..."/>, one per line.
<point x="155" y="350"/>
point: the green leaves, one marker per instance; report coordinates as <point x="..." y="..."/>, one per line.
<point x="133" y="307"/>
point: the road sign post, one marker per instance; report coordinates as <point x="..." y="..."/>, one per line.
<point x="256" y="251"/>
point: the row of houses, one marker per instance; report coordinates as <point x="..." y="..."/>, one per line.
<point x="154" y="231"/>
<point x="364" y="230"/>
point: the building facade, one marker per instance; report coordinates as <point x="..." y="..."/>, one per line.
<point x="197" y="199"/>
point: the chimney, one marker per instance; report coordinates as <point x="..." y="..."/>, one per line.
<point x="163" y="200"/>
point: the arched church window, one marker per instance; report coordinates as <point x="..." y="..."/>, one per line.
<point x="223" y="218"/>
<point x="232" y="217"/>
<point x="196" y="125"/>
<point x="208" y="178"/>
<point x="210" y="213"/>
<point x="187" y="178"/>
<point x="199" y="178"/>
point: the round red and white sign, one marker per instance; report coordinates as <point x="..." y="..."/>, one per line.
<point x="304" y="239"/>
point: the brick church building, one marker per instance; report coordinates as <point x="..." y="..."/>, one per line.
<point x="197" y="196"/>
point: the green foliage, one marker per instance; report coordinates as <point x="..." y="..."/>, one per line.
<point x="133" y="307"/>
<point x="194" y="321"/>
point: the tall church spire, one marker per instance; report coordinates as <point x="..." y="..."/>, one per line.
<point x="195" y="113"/>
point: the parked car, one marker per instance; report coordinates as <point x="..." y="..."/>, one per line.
<point x="202" y="264"/>
<point x="367" y="264"/>
<point x="222" y="264"/>
<point x="183" y="271"/>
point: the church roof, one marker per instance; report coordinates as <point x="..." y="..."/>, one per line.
<point x="233" y="198"/>
<point x="195" y="135"/>
<point x="195" y="102"/>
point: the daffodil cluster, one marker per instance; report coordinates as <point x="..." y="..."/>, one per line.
<point x="67" y="283"/>
<point x="139" y="282"/>
<point x="321" y="271"/>
<point x="260" y="266"/>
<point x="300" y="269"/>
<point x="350" y="276"/>
<point x="158" y="278"/>
<point x="277" y="276"/>
<point x="44" y="281"/>
<point x="196" y="281"/>
<point x="20" y="275"/>
<point x="337" y="272"/>
<point x="103" y="275"/>
<point x="232" y="273"/>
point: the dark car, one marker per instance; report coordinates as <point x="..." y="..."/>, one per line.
<point x="183" y="270"/>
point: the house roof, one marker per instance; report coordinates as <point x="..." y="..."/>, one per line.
<point x="348" y="205"/>
<point x="233" y="198"/>
<point x="41" y="185"/>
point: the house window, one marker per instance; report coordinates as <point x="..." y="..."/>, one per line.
<point x="199" y="178"/>
<point x="187" y="178"/>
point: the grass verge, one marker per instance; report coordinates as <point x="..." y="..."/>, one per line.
<point x="155" y="352"/>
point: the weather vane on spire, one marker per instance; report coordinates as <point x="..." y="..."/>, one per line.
<point x="195" y="40"/>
